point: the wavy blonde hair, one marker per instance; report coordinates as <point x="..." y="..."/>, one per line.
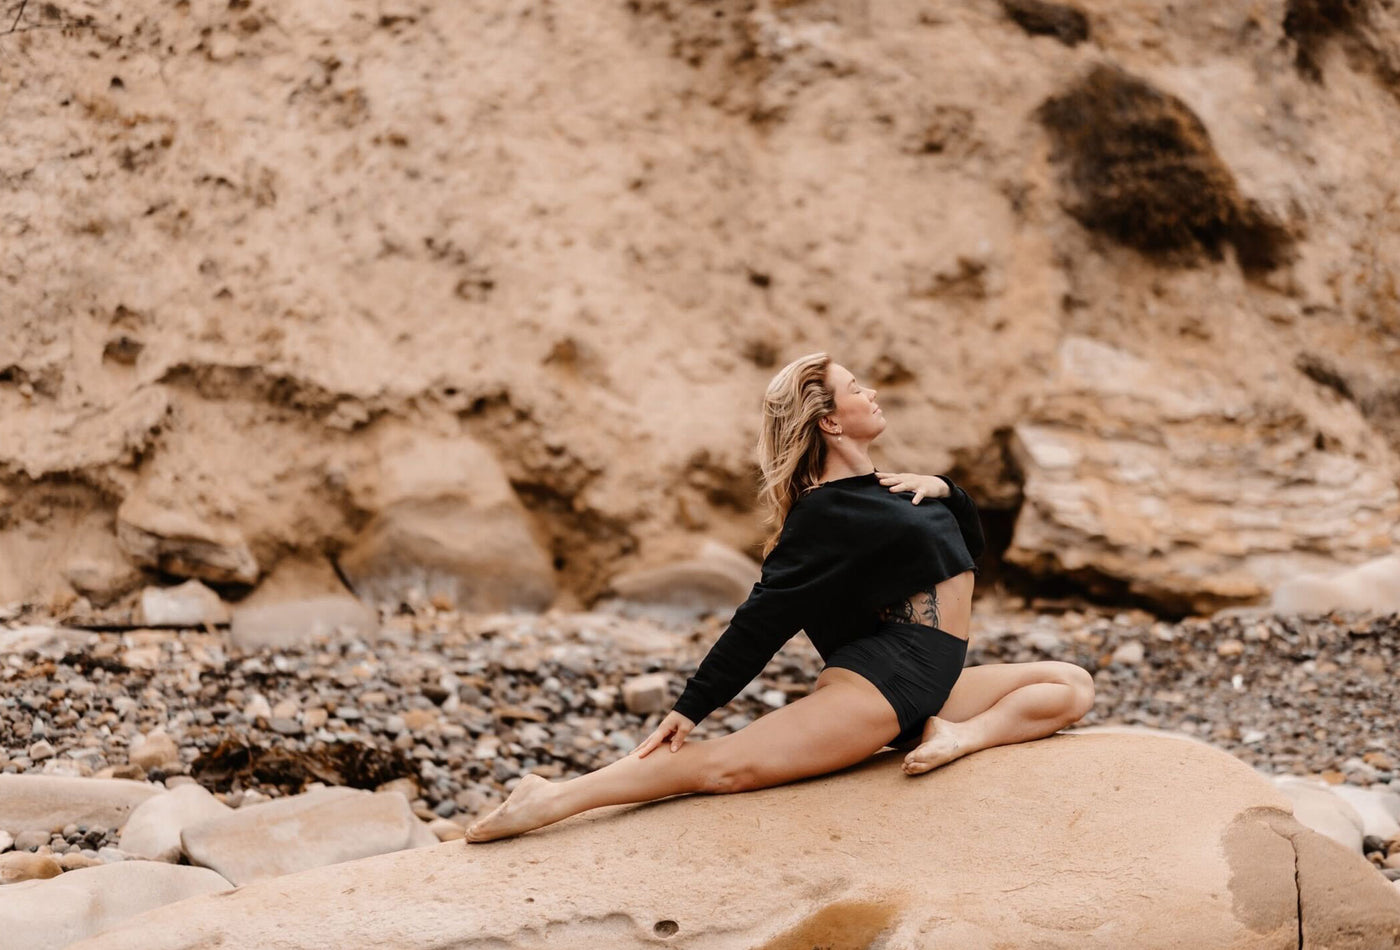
<point x="791" y="452"/>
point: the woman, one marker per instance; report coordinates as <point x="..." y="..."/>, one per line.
<point x="881" y="583"/>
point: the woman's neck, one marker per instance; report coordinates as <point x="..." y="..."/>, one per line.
<point x="843" y="461"/>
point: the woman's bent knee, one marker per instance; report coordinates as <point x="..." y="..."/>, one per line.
<point x="1082" y="682"/>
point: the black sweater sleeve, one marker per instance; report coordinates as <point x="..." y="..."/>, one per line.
<point x="802" y="560"/>
<point x="965" y="511"/>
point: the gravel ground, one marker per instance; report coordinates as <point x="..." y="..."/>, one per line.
<point x="460" y="706"/>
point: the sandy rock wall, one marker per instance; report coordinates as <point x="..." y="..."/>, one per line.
<point x="242" y="241"/>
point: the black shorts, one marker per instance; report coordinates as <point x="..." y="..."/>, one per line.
<point x="913" y="665"/>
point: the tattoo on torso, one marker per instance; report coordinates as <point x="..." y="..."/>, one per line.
<point x="920" y="607"/>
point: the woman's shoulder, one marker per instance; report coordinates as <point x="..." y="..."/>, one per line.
<point x="811" y="514"/>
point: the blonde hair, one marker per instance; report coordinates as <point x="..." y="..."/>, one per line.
<point x="791" y="452"/>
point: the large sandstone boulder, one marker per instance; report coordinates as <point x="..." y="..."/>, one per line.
<point x="715" y="580"/>
<point x="182" y="543"/>
<point x="325" y="826"/>
<point x="1076" y="841"/>
<point x="49" y="914"/>
<point x="450" y="526"/>
<point x="49" y="802"/>
<point x="1165" y="484"/>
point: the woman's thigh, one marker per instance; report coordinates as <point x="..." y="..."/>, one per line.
<point x="981" y="687"/>
<point x="840" y="723"/>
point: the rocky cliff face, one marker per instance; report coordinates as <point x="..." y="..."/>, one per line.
<point x="1127" y="271"/>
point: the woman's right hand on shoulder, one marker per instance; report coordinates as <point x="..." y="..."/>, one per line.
<point x="675" y="727"/>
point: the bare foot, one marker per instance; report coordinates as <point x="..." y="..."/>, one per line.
<point x="527" y="808"/>
<point x="942" y="744"/>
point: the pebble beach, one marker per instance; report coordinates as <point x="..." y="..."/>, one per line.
<point x="452" y="709"/>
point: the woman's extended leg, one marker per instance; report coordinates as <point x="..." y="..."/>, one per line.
<point x="842" y="721"/>
<point x="1002" y="703"/>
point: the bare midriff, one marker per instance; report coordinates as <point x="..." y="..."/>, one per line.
<point x="947" y="605"/>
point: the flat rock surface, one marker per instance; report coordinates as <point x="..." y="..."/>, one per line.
<point x="54" y="913"/>
<point x="1073" y="841"/>
<point x="325" y="826"/>
<point x="48" y="802"/>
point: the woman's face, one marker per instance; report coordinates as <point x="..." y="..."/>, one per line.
<point x="858" y="416"/>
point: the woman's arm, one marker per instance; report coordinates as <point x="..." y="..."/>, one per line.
<point x="804" y="558"/>
<point x="740" y="654"/>
<point x="965" y="510"/>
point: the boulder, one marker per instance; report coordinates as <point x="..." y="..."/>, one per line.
<point x="16" y="866"/>
<point x="324" y="826"/>
<point x="1318" y="807"/>
<point x="55" y="913"/>
<point x="153" y="830"/>
<point x="716" y="580"/>
<point x="1165" y="484"/>
<point x="101" y="572"/>
<point x="1373" y="806"/>
<point x="1371" y="587"/>
<point x="177" y="542"/>
<point x="49" y="802"/>
<point x="190" y="604"/>
<point x="301" y="600"/>
<point x="449" y="528"/>
<point x="1075" y="841"/>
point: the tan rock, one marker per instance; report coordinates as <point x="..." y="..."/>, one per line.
<point x="153" y="830"/>
<point x="190" y="604"/>
<point x="325" y="826"/>
<point x="179" y="543"/>
<point x="296" y="578"/>
<point x="864" y="857"/>
<point x="448" y="524"/>
<point x="154" y="750"/>
<point x="716" y="580"/>
<point x="104" y="574"/>
<point x="422" y="720"/>
<point x="18" y="866"/>
<point x="52" y="801"/>
<point x="446" y="829"/>
<point x="1373" y="586"/>
<point x="646" y="694"/>
<point x="1139" y="477"/>
<point x="55" y="913"/>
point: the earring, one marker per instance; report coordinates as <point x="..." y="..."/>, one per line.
<point x="838" y="438"/>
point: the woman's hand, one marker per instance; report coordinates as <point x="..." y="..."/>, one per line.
<point x="923" y="486"/>
<point x="673" y="723"/>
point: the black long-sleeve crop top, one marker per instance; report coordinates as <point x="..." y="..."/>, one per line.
<point x="847" y="548"/>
